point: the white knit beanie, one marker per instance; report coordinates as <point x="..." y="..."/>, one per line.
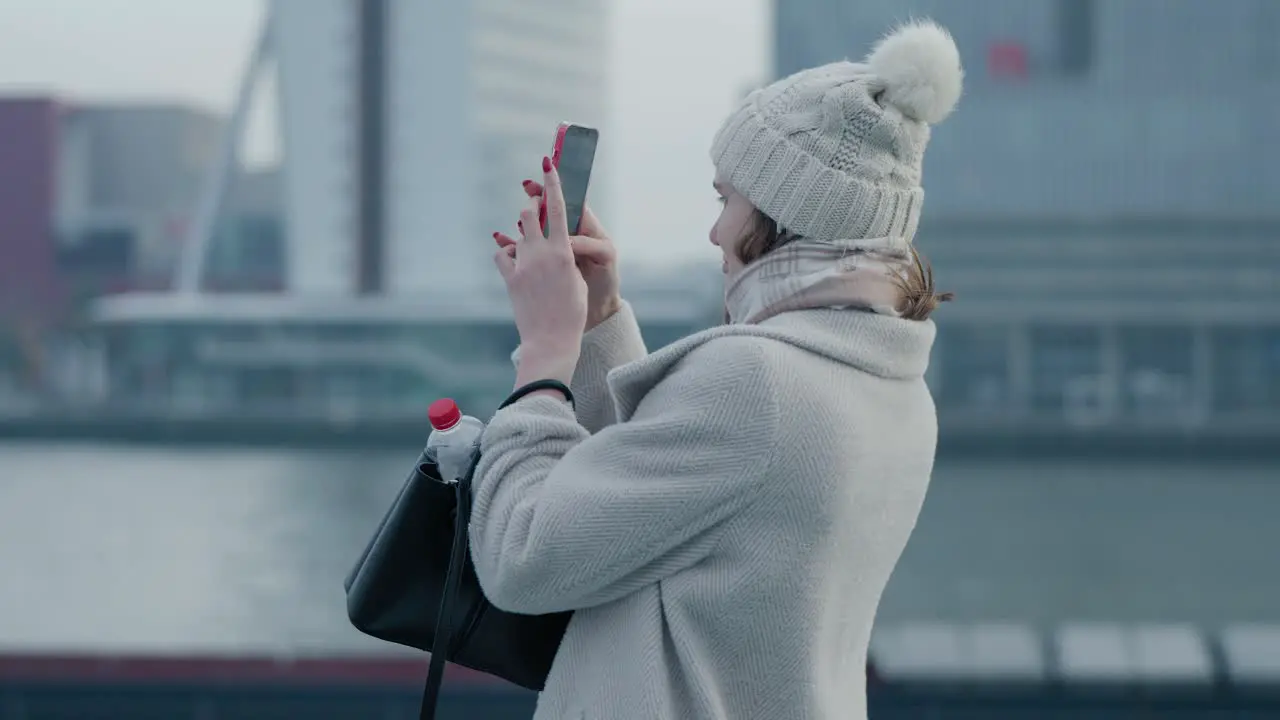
<point x="834" y="152"/>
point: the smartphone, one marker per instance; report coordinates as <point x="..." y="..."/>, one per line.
<point x="573" y="155"/>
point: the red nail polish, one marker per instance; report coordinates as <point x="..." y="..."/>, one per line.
<point x="495" y="236"/>
<point x="546" y="164"/>
<point x="527" y="183"/>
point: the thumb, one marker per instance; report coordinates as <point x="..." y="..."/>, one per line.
<point x="590" y="224"/>
<point x="593" y="249"/>
<point x="505" y="263"/>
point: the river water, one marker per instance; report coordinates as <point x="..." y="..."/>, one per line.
<point x="158" y="549"/>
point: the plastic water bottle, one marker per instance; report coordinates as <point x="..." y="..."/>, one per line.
<point x="453" y="439"/>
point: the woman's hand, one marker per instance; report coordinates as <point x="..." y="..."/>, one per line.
<point x="597" y="260"/>
<point x="548" y="293"/>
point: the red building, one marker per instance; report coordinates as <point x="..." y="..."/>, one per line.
<point x="29" y="143"/>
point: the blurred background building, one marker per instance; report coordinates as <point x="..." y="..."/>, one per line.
<point x="1101" y="204"/>
<point x="404" y="122"/>
<point x="1103" y="217"/>
<point x="405" y="128"/>
<point x="357" y="108"/>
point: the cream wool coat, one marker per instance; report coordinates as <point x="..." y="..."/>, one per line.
<point x="723" y="514"/>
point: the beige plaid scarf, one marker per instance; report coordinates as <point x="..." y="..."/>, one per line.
<point x="807" y="274"/>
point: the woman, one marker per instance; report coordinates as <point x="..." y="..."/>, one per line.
<point x="723" y="514"/>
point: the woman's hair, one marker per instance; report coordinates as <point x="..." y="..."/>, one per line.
<point x="919" y="297"/>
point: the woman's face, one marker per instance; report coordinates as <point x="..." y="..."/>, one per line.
<point x="732" y="227"/>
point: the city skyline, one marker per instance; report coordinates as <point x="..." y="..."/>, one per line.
<point x="665" y="56"/>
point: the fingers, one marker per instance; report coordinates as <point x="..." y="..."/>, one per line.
<point x="597" y="251"/>
<point x="590" y="224"/>
<point x="553" y="195"/>
<point x="584" y="248"/>
<point x="530" y="219"/>
<point x="505" y="263"/>
<point x="535" y="191"/>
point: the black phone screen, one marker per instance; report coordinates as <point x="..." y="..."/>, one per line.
<point x="577" y="154"/>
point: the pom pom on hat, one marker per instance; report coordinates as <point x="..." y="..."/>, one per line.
<point x="919" y="65"/>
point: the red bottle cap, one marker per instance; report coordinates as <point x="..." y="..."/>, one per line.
<point x="444" y="414"/>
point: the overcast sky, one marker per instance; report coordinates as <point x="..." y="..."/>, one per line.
<point x="678" y="66"/>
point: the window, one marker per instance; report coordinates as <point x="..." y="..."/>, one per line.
<point x="1075" y="22"/>
<point x="1157" y="370"/>
<point x="974" y="368"/>
<point x="1246" y="369"/>
<point x="1066" y="364"/>
<point x="247" y="252"/>
<point x="99" y="255"/>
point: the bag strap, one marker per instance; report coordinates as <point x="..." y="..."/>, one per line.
<point x="440" y="647"/>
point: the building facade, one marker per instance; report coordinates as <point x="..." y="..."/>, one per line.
<point x="128" y="177"/>
<point x="1102" y="203"/>
<point x="301" y="358"/>
<point x="92" y="200"/>
<point x="28" y="196"/>
<point x="408" y="127"/>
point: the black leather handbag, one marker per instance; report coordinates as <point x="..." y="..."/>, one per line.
<point x="415" y="585"/>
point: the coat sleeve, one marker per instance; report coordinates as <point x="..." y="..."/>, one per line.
<point x="612" y="343"/>
<point x="563" y="519"/>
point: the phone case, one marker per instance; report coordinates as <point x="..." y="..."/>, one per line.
<point x="556" y="149"/>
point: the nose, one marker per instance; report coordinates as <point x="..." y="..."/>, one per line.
<point x="712" y="237"/>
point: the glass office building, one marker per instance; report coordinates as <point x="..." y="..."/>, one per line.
<point x="458" y="101"/>
<point x="1102" y="202"/>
